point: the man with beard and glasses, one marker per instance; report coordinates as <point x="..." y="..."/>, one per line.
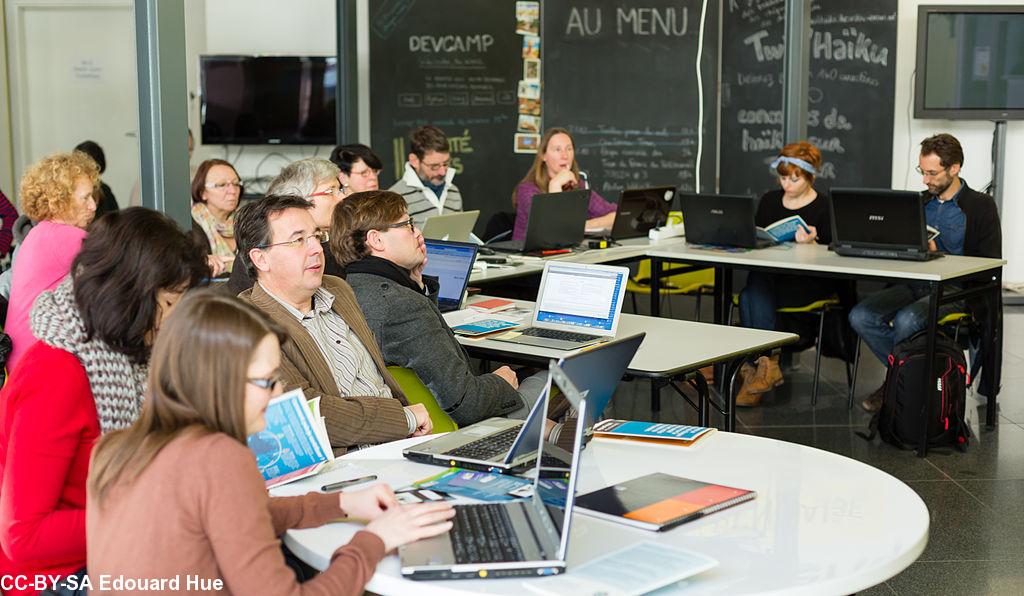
<point x="968" y="224"/>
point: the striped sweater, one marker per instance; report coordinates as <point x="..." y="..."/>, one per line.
<point x="421" y="201"/>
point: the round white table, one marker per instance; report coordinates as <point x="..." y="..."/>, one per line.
<point x="821" y="523"/>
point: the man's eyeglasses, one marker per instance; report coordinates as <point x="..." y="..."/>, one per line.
<point x="222" y="185"/>
<point x="269" y="383"/>
<point x="402" y="224"/>
<point x="326" y="193"/>
<point x="930" y="173"/>
<point x="433" y="167"/>
<point x="319" y="236"/>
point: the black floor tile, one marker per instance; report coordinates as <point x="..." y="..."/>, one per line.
<point x="997" y="453"/>
<point x="881" y="589"/>
<point x="1004" y="496"/>
<point x="953" y="578"/>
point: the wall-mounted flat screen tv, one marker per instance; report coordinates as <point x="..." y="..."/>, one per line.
<point x="970" y="62"/>
<point x="268" y="100"/>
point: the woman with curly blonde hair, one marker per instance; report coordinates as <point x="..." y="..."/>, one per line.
<point x="56" y="192"/>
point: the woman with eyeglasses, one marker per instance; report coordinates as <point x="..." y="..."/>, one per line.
<point x="57" y="193"/>
<point x="85" y="376"/>
<point x="216" y="189"/>
<point x="215" y="367"/>
<point x="359" y="167"/>
<point x="795" y="168"/>
<point x="554" y="169"/>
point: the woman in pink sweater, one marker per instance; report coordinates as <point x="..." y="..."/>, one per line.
<point x="179" y="493"/>
<point x="56" y="191"/>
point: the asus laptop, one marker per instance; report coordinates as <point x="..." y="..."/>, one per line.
<point x="640" y="210"/>
<point x="721" y="220"/>
<point x="577" y="305"/>
<point x="451" y="226"/>
<point x="495" y="540"/>
<point x="879" y="223"/>
<point x="452" y="264"/>
<point x="557" y="220"/>
<point x="509" y="446"/>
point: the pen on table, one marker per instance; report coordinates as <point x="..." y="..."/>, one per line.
<point x="346" y="483"/>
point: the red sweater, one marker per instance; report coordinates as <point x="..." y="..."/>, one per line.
<point x="48" y="426"/>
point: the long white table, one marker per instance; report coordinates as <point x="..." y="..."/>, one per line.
<point x="821" y="523"/>
<point x="671" y="349"/>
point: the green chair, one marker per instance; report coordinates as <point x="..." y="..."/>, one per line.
<point x="417" y="393"/>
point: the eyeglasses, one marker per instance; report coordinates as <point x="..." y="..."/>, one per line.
<point x="930" y="173"/>
<point x="269" y="383"/>
<point x="222" y="185"/>
<point x="367" y="173"/>
<point x="433" y="167"/>
<point x="402" y="224"/>
<point x="319" y="236"/>
<point x="326" y="193"/>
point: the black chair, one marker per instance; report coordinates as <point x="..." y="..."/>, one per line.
<point x="499" y="226"/>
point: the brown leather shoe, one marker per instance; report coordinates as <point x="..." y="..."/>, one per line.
<point x="873" y="402"/>
<point x="753" y="384"/>
<point x="773" y="374"/>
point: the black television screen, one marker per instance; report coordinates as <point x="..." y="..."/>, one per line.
<point x="970" y="62"/>
<point x="276" y="100"/>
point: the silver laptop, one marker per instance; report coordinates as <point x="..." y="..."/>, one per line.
<point x="577" y="305"/>
<point x="450" y="226"/>
<point x="529" y="537"/>
<point x="509" y="446"/>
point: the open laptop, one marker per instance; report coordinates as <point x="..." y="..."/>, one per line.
<point x="509" y="446"/>
<point x="450" y="226"/>
<point x="577" y="305"/>
<point x="557" y="220"/>
<point x="520" y="538"/>
<point x="879" y="223"/>
<point x="721" y="220"/>
<point x="640" y="210"/>
<point x="452" y="264"/>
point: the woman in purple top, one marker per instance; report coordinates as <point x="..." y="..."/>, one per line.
<point x="555" y="170"/>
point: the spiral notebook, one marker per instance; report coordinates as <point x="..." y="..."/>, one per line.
<point x="660" y="501"/>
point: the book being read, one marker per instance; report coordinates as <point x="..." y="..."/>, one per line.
<point x="785" y="229"/>
<point x="651" y="432"/>
<point x="660" y="501"/>
<point x="294" y="443"/>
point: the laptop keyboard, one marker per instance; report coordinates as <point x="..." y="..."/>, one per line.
<point x="487" y="447"/>
<point x="562" y="335"/>
<point x="484" y="534"/>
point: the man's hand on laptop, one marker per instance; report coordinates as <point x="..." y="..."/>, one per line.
<point x="423" y="423"/>
<point x="932" y="247"/>
<point x="509" y="375"/>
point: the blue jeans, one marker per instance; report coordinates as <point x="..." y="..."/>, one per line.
<point x="890" y="316"/>
<point x="758" y="302"/>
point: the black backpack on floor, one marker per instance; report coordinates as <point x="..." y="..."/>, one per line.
<point x="901" y="419"/>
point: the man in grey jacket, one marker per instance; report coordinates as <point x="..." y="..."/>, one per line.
<point x="375" y="239"/>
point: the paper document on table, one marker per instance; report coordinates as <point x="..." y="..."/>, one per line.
<point x="636" y="569"/>
<point x="467" y="316"/>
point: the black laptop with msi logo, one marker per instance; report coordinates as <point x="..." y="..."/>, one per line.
<point x="721" y="220"/>
<point x="879" y="223"/>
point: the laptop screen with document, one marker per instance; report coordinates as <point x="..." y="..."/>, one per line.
<point x="451" y="263"/>
<point x="588" y="297"/>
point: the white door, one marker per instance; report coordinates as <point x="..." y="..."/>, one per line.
<point x="73" y="78"/>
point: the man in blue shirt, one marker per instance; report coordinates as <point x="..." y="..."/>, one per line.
<point x="968" y="224"/>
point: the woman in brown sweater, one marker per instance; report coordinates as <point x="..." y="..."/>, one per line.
<point x="177" y="498"/>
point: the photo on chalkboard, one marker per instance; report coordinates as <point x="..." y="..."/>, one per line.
<point x="529" y="123"/>
<point x="529" y="90"/>
<point x="527" y="143"/>
<point x="531" y="70"/>
<point x="529" y="106"/>
<point x="531" y="46"/>
<point x="527" y="17"/>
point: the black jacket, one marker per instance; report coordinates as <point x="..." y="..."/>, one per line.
<point x="983" y="236"/>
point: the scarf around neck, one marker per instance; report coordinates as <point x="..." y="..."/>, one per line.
<point x="384" y="268"/>
<point x="215" y="231"/>
<point x="118" y="384"/>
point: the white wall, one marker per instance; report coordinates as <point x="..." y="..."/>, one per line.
<point x="975" y="136"/>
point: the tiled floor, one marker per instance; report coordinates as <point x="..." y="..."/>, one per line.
<point x="976" y="499"/>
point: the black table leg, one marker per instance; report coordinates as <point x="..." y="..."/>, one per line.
<point x="933" y="323"/>
<point x="655" y="287"/>
<point x="993" y="347"/>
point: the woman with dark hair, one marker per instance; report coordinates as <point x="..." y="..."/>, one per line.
<point x="359" y="167"/>
<point x="216" y="189"/>
<point x="85" y="376"/>
<point x="104" y="196"/>
<point x="554" y="169"/>
<point x="214" y="369"/>
<point x="795" y="168"/>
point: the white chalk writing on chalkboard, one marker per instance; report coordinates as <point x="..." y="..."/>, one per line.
<point x="640" y="21"/>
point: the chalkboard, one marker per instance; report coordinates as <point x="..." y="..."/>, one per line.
<point x="455" y="64"/>
<point x="851" y="96"/>
<point x="622" y="78"/>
